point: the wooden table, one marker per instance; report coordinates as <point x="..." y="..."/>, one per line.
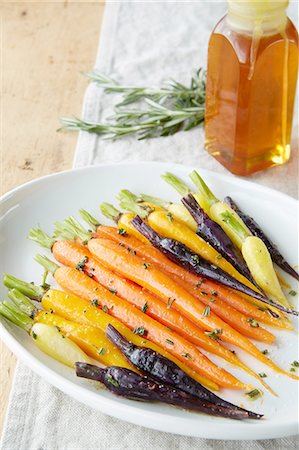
<point x="45" y="47"/>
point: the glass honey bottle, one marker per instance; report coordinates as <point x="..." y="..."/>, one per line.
<point x="251" y="83"/>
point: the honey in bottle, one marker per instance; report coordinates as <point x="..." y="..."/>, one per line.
<point x="251" y="83"/>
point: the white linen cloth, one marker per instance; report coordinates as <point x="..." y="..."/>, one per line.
<point x="142" y="43"/>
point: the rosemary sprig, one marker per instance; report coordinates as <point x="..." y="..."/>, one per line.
<point x="170" y="91"/>
<point x="167" y="110"/>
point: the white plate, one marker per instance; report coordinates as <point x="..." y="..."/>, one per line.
<point x="57" y="196"/>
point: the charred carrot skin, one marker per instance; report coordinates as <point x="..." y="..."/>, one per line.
<point x="160" y="284"/>
<point x="83" y="286"/>
<point x="76" y="309"/>
<point x="71" y="254"/>
<point x="153" y="255"/>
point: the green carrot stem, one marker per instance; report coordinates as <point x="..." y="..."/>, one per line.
<point x="235" y="225"/>
<point x="29" y="289"/>
<point x="22" y="302"/>
<point x="41" y="238"/>
<point x="48" y="265"/>
<point x="63" y="231"/>
<point x="134" y="208"/>
<point x="156" y="201"/>
<point x="18" y="318"/>
<point x="176" y="183"/>
<point x="71" y="227"/>
<point x="110" y="211"/>
<point x="89" y="219"/>
<point x="203" y="188"/>
<point x="125" y="195"/>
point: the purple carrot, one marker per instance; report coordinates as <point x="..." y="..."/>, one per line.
<point x="257" y="231"/>
<point x="126" y="383"/>
<point x="212" y="233"/>
<point x="161" y="369"/>
<point x="183" y="256"/>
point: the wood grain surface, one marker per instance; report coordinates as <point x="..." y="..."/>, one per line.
<point x="45" y="46"/>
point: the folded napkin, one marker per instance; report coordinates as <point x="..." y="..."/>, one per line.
<point x="140" y="42"/>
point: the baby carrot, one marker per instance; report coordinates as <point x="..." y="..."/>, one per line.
<point x="135" y="269"/>
<point x="83" y="286"/>
<point x="154" y="256"/>
<point x="78" y="310"/>
<point x="72" y="255"/>
<point x="90" y="339"/>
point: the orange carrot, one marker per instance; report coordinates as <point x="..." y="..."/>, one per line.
<point x="77" y="310"/>
<point x="70" y="254"/>
<point x="245" y="325"/>
<point x="83" y="286"/>
<point x="148" y="276"/>
<point x="154" y="256"/>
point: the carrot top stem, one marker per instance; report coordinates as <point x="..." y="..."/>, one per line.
<point x="126" y="195"/>
<point x="49" y="265"/>
<point x="16" y="316"/>
<point x="155" y="200"/>
<point x="176" y="183"/>
<point x="41" y="238"/>
<point x="23" y="302"/>
<point x="203" y="188"/>
<point x="30" y="290"/>
<point x="89" y="219"/>
<point x="236" y="226"/>
<point x="70" y="229"/>
<point x="110" y="211"/>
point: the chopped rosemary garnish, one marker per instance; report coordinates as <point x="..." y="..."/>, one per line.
<point x="139" y="330"/>
<point x="102" y="351"/>
<point x="144" y="307"/>
<point x="199" y="283"/>
<point x="207" y="311"/>
<point x="81" y="264"/>
<point x="91" y="275"/>
<point x="295" y="364"/>
<point x="131" y="251"/>
<point x="253" y="323"/>
<point x="95" y="302"/>
<point x="169" y="341"/>
<point x="170" y="302"/>
<point x="169" y="217"/>
<point x="214" y="293"/>
<point x="195" y="258"/>
<point x="186" y="355"/>
<point x="219" y="256"/>
<point x="122" y="231"/>
<point x="254" y="394"/>
<point x="113" y="291"/>
<point x="146" y="265"/>
<point x="213" y="300"/>
<point x="215" y="335"/>
<point x="203" y="293"/>
<point x="263" y="375"/>
<point x="112" y="380"/>
<point x="293" y="293"/>
<point x="292" y="369"/>
<point x="265" y="352"/>
<point x="105" y="309"/>
<point x="34" y="335"/>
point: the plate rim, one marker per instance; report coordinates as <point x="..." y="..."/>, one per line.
<point x="263" y="430"/>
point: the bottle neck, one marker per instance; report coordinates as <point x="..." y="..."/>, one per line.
<point x="269" y="17"/>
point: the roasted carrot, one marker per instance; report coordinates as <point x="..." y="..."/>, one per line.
<point x="78" y="310"/>
<point x="72" y="255"/>
<point x="153" y="256"/>
<point x="160" y="221"/>
<point x="90" y="339"/>
<point x="83" y="286"/>
<point x="135" y="269"/>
